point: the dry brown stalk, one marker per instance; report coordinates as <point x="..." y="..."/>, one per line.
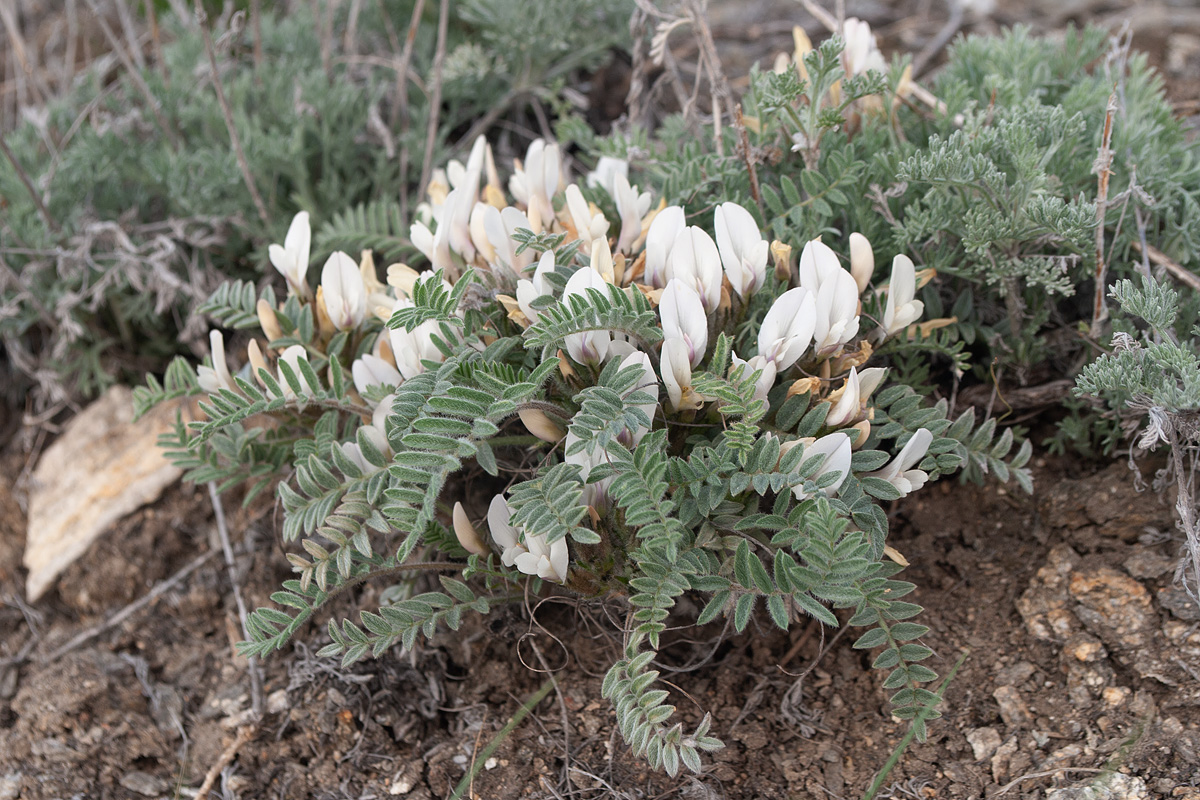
<point x="135" y="75"/>
<point x="37" y="199"/>
<point x="243" y="164"/>
<point x="435" y="96"/>
<point x="1103" y="170"/>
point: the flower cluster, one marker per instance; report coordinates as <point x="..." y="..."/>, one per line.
<point x="813" y="336"/>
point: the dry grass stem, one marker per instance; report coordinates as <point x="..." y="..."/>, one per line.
<point x="244" y="734"/>
<point x="1103" y="169"/>
<point x="435" y="95"/>
<point x="33" y="194"/>
<point x="256" y="692"/>
<point x="243" y="164"/>
<point x="1178" y="271"/>
<point x="135" y="75"/>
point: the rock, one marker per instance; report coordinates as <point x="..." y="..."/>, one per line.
<point x="1001" y="760"/>
<point x="1016" y="674"/>
<point x="1044" y="605"/>
<point x="1179" y="603"/>
<point x="984" y="742"/>
<point x="1113" y="606"/>
<point x="1086" y="648"/>
<point x="1107" y="501"/>
<point x="103" y="467"/>
<point x="1148" y="563"/>
<point x="10" y="786"/>
<point x="1013" y="710"/>
<point x="143" y="783"/>
<point x="1111" y="786"/>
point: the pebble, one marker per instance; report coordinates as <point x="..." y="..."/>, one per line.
<point x="10" y="786"/>
<point x="1113" y="606"/>
<point x="143" y="783"/>
<point x="1012" y="708"/>
<point x="1148" y="563"/>
<point x="1179" y="603"/>
<point x="984" y="742"/>
<point x="1114" y="786"/>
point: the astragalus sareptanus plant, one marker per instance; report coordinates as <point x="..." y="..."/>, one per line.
<point x="662" y="408"/>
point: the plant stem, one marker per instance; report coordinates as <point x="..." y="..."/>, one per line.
<point x="881" y="776"/>
<point x="480" y="759"/>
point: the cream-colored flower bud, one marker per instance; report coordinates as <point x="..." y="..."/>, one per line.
<point x="257" y="361"/>
<point x="268" y="321"/>
<point x="540" y="425"/>
<point x="401" y="277"/>
<point x="862" y="260"/>
<point x="864" y="430"/>
<point x="467" y="536"/>
<point x="782" y="253"/>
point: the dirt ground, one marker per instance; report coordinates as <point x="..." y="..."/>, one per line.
<point x="1080" y="675"/>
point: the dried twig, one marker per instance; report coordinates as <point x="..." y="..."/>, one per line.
<point x="435" y="96"/>
<point x="37" y="199"/>
<point x="8" y="15"/>
<point x="243" y="164"/>
<point x="156" y="42"/>
<point x="131" y="609"/>
<point x="135" y="75"/>
<point x="256" y="28"/>
<point x="747" y="156"/>
<point x="130" y="32"/>
<point x="256" y="693"/>
<point x="1177" y="270"/>
<point x="244" y="734"/>
<point x="1103" y="169"/>
<point x="400" y="109"/>
<point x="940" y="39"/>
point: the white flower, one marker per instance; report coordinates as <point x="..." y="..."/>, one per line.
<point x="529" y="290"/>
<point x="631" y="207"/>
<point x="354" y="450"/>
<point x="743" y="249"/>
<point x="534" y="556"/>
<point x="683" y="317"/>
<point x="292" y="259"/>
<point x="855" y="393"/>
<point x="835" y="449"/>
<point x="901" y="309"/>
<point x="590" y="347"/>
<point x="536" y="181"/>
<point x="371" y="371"/>
<point x="695" y="260"/>
<point x="343" y="291"/>
<point x="594" y="494"/>
<point x="292" y="357"/>
<point x="676" y="368"/>
<point x="899" y="472"/>
<point x="648" y="384"/>
<point x="499" y="227"/>
<point x="787" y="329"/>
<point x="862" y="261"/>
<point x="213" y="379"/>
<point x="660" y="237"/>
<point x="606" y="171"/>
<point x="411" y="348"/>
<point x="861" y="53"/>
<point x="836" y="296"/>
<point x="766" y="380"/>
<point x="588" y="225"/>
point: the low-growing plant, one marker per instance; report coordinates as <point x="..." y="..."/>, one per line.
<point x="662" y="408"/>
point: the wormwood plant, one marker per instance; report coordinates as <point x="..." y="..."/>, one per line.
<point x="662" y="409"/>
<point x="1152" y="378"/>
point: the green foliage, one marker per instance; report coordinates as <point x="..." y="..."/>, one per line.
<point x="150" y="209"/>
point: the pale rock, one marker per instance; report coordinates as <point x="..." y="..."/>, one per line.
<point x="1013" y="710"/>
<point x="984" y="742"/>
<point x="1112" y="786"/>
<point x="103" y="467"/>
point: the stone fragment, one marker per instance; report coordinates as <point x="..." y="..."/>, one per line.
<point x="1114" y="607"/>
<point x="1179" y="603"/>
<point x="143" y="783"/>
<point x="1085" y="647"/>
<point x="100" y="469"/>
<point x="1044" y="605"/>
<point x="1001" y="760"/>
<point x="1013" y="710"/>
<point x="1015" y="674"/>
<point x="984" y="742"/>
<point x="1148" y="563"/>
<point x="1112" y="786"/>
<point x="1109" y="501"/>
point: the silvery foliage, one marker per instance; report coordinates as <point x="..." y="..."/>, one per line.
<point x="1152" y="375"/>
